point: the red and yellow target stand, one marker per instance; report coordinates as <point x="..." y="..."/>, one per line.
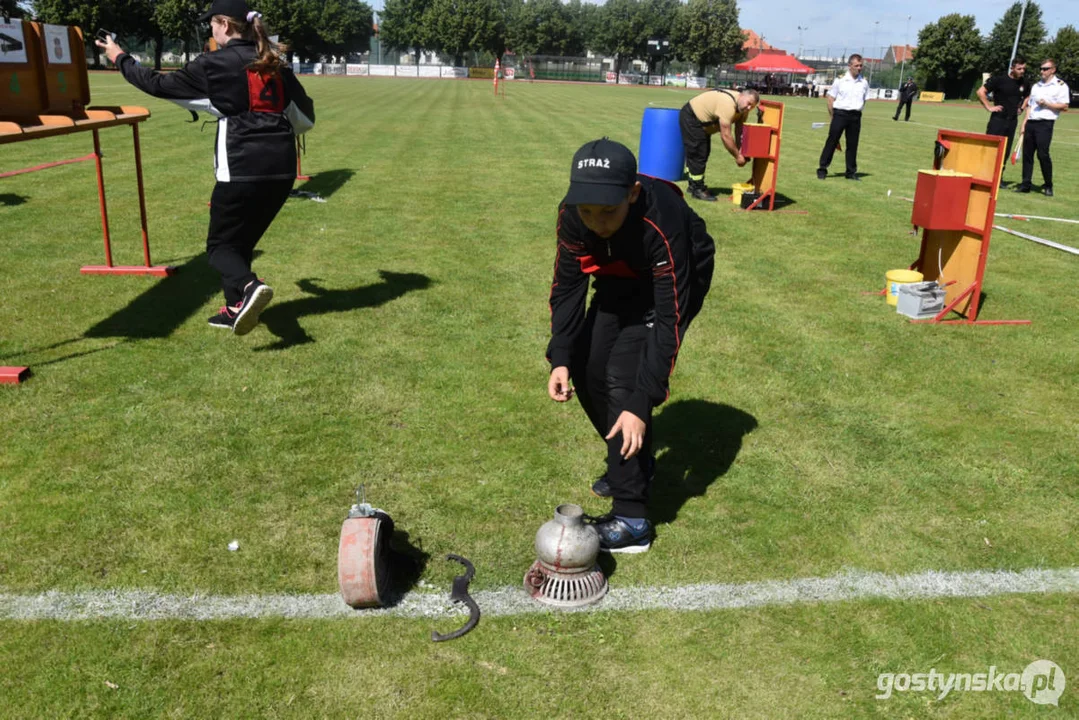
<point x="761" y="141"/>
<point x="44" y="92"/>
<point x="954" y="205"/>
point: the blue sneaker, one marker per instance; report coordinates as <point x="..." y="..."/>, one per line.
<point x="616" y="536"/>
<point x="602" y="489"/>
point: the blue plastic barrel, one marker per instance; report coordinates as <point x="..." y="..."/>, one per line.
<point x="661" y="154"/>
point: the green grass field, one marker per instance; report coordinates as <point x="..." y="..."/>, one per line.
<point x="810" y="430"/>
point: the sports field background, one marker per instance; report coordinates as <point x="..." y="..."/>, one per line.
<point x="810" y="430"/>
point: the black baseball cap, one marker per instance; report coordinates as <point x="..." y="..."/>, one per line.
<point x="602" y="173"/>
<point x="229" y="8"/>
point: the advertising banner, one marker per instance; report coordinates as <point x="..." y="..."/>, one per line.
<point x="430" y="71"/>
<point x="510" y="73"/>
<point x="454" y="72"/>
<point x="481" y="72"/>
<point x="406" y="71"/>
<point x="655" y="79"/>
<point x="355" y="69"/>
<point x="931" y="97"/>
<point x="382" y="70"/>
<point x="696" y="82"/>
<point x="611" y="77"/>
<point x="629" y="79"/>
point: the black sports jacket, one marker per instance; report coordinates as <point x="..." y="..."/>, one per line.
<point x="258" y="116"/>
<point x="659" y="264"/>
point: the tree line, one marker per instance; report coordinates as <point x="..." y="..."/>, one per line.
<point x="701" y="32"/>
<point x="310" y="28"/>
<point x="952" y="55"/>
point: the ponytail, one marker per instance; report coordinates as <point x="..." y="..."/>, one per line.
<point x="269" y="60"/>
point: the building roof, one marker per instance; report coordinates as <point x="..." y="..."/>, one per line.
<point x="755" y="44"/>
<point x="902" y="52"/>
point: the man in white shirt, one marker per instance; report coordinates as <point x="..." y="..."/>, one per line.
<point x="846" y="98"/>
<point x="1048" y="98"/>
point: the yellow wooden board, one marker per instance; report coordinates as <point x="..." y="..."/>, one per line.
<point x="958" y="256"/>
<point x="22" y="84"/>
<point x="67" y="80"/>
<point x="764" y="169"/>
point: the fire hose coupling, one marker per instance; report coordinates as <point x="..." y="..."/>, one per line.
<point x="459" y="594"/>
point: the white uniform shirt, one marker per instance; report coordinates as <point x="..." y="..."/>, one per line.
<point x="1054" y="91"/>
<point x="848" y="93"/>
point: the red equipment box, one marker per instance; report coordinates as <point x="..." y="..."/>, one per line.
<point x="941" y="198"/>
<point x="756" y="140"/>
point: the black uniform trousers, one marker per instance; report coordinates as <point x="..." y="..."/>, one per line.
<point x="850" y="123"/>
<point x="1004" y="127"/>
<point x="904" y="101"/>
<point x="1039" y="134"/>
<point x="696" y="143"/>
<point x="240" y="212"/>
<point x="608" y="352"/>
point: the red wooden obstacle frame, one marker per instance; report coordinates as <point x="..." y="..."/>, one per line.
<point x="765" y="165"/>
<point x="46" y="96"/>
<point x="955" y="254"/>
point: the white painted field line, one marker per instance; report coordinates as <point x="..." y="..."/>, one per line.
<point x="845" y="587"/>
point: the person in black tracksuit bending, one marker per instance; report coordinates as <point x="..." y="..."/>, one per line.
<point x="651" y="260"/>
<point x="261" y="107"/>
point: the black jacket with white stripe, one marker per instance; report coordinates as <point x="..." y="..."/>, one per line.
<point x="656" y="268"/>
<point x="258" y="116"/>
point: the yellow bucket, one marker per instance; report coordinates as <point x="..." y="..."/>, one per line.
<point x="736" y="192"/>
<point x="895" y="278"/>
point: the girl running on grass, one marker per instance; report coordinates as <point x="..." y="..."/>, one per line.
<point x="260" y="107"/>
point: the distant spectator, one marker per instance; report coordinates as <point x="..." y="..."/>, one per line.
<point x="907" y="92"/>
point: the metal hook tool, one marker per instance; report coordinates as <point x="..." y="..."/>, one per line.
<point x="459" y="593"/>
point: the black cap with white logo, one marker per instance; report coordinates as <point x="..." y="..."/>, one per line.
<point x="229" y="8"/>
<point x="602" y="173"/>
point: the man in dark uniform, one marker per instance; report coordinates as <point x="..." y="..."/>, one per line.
<point x="651" y="259"/>
<point x="1010" y="94"/>
<point x="715" y="111"/>
<point x="907" y="92"/>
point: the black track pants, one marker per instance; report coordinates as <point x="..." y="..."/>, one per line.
<point x="902" y="102"/>
<point x="1003" y="127"/>
<point x="1039" y="134"/>
<point x="850" y="123"/>
<point x="696" y="143"/>
<point x="240" y="212"/>
<point x="604" y="371"/>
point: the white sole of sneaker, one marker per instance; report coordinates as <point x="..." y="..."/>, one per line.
<point x="630" y="550"/>
<point x="248" y="316"/>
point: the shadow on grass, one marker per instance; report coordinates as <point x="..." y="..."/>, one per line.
<point x="407" y="562"/>
<point x="702" y="440"/>
<point x="165" y="305"/>
<point x="283" y="321"/>
<point x="11" y="199"/>
<point x="327" y="182"/>
<point x="783" y="201"/>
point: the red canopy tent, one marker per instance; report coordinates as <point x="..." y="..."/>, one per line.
<point x="775" y="63"/>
